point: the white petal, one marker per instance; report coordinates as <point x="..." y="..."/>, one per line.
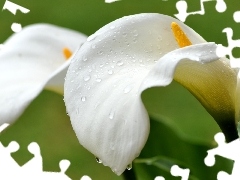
<point x="102" y="85"/>
<point x="28" y="61"/>
<point x="163" y="72"/>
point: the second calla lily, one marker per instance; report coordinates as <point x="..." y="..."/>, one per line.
<point x="31" y="60"/>
<point x="110" y="71"/>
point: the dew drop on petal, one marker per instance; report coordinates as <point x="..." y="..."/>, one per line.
<point x="85" y="59"/>
<point x="114" y="170"/>
<point x="124" y="34"/>
<point x="119" y="63"/>
<point x="96" y="105"/>
<point x="93" y="46"/>
<point x="134" y="40"/>
<point x="87" y="78"/>
<point x="112" y="27"/>
<point x="110" y="71"/>
<point x="127" y="89"/>
<point x="135" y="33"/>
<point x="129" y="167"/>
<point x="83" y="99"/>
<point x="160" y="38"/>
<point x="98" y="160"/>
<point x="79" y="86"/>
<point x="111" y="115"/>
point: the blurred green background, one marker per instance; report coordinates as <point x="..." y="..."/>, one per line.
<point x="181" y="130"/>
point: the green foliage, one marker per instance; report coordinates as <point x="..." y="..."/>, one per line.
<point x="181" y="130"/>
<point x="173" y="149"/>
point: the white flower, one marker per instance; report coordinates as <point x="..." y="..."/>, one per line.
<point x="107" y="75"/>
<point x="31" y="60"/>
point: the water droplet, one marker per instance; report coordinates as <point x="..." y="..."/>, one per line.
<point x="160" y="38"/>
<point x="112" y="27"/>
<point x="96" y="105"/>
<point x="85" y="59"/>
<point x="119" y="63"/>
<point x="110" y="71"/>
<point x="83" y="99"/>
<point x="100" y="52"/>
<point x="114" y="170"/>
<point x="128" y="89"/>
<point x="79" y="86"/>
<point x="98" y="160"/>
<point x="87" y="78"/>
<point x="111" y="115"/>
<point x="124" y="34"/>
<point x="135" y="33"/>
<point x="98" y="80"/>
<point x="129" y="167"/>
<point x="93" y="46"/>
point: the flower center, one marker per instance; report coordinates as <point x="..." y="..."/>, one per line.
<point x="180" y="36"/>
<point x="213" y="84"/>
<point x="67" y="53"/>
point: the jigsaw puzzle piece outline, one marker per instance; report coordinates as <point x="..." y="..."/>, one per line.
<point x="223" y="50"/>
<point x="182" y="7"/>
<point x="229" y="151"/>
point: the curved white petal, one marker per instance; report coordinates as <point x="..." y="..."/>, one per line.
<point x="163" y="72"/>
<point x="28" y="61"/>
<point x="104" y="83"/>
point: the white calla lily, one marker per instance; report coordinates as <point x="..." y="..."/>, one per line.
<point x="31" y="60"/>
<point x="106" y="77"/>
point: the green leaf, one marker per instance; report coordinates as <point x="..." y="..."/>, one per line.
<point x="166" y="146"/>
<point x="182" y="109"/>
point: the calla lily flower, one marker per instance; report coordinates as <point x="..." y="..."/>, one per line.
<point x="107" y="76"/>
<point x="31" y="60"/>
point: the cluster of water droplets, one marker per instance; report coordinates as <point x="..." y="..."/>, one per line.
<point x="129" y="166"/>
<point x="114" y="60"/>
